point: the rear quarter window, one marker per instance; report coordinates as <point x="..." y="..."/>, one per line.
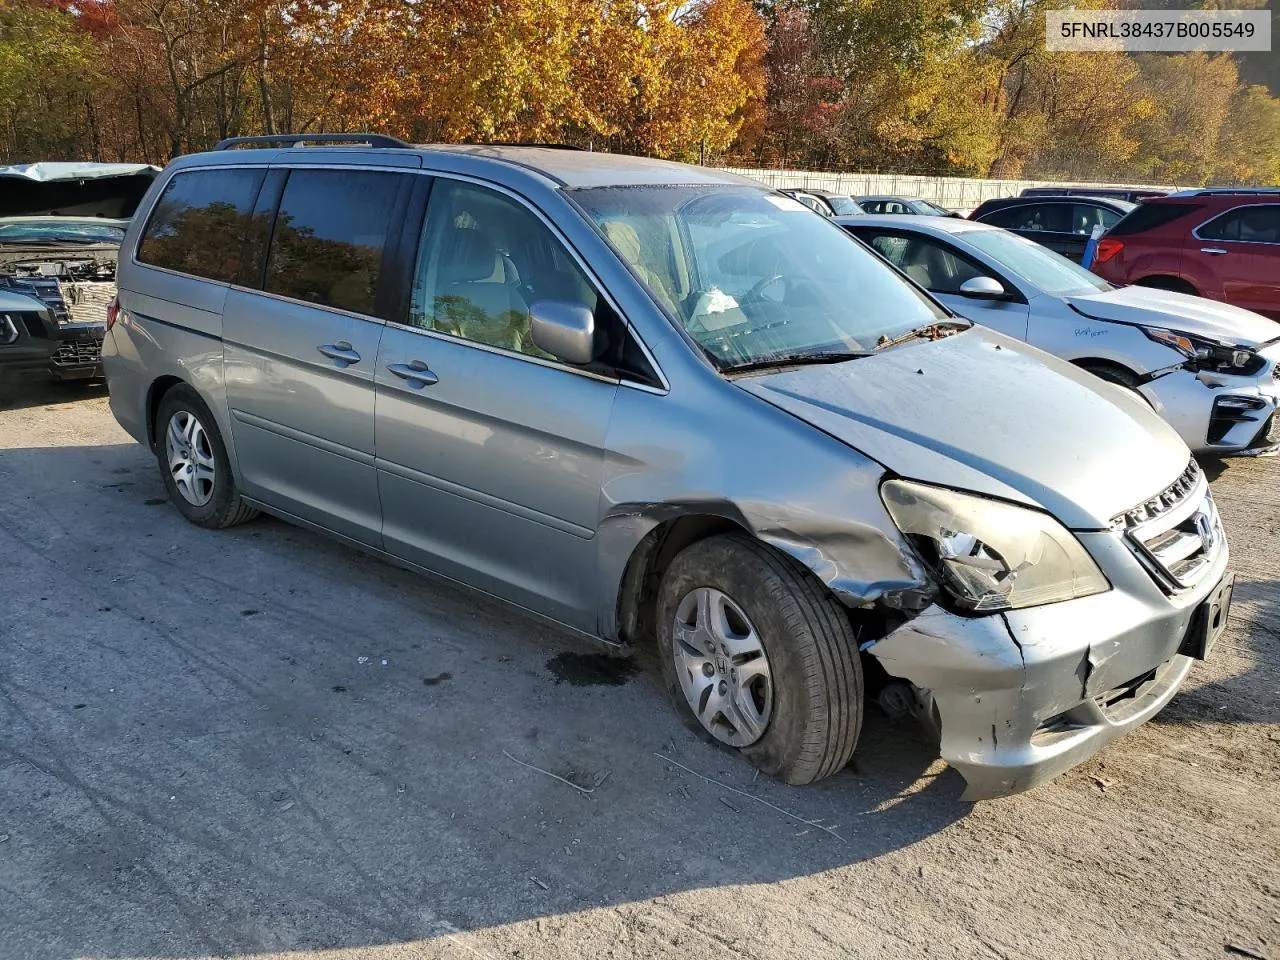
<point x="1151" y="216"/>
<point x="198" y="225"/>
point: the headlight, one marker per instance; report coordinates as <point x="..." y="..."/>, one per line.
<point x="992" y="555"/>
<point x="1208" y="354"/>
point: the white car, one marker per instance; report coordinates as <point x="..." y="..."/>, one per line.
<point x="1210" y="369"/>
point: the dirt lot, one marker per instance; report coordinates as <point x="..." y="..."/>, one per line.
<point x="197" y="759"/>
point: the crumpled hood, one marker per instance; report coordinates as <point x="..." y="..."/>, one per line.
<point x="1179" y="311"/>
<point x="111" y="190"/>
<point x="983" y="412"/>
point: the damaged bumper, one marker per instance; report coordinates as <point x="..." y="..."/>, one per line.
<point x="1221" y="414"/>
<point x="1025" y="695"/>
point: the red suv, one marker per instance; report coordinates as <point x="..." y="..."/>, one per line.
<point x="1219" y="243"/>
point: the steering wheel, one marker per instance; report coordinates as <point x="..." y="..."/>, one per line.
<point x="756" y="293"/>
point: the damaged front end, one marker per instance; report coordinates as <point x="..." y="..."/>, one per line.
<point x="1023" y="694"/>
<point x="77" y="286"/>
<point x="61" y="228"/>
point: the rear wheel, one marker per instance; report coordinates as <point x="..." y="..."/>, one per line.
<point x="194" y="464"/>
<point x="759" y="657"/>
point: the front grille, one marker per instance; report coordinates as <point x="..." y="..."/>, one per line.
<point x="78" y="352"/>
<point x="1177" y="534"/>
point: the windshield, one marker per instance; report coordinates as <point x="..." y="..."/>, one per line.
<point x="1052" y="273"/>
<point x="930" y="209"/>
<point x="60" y="230"/>
<point x="844" y="206"/>
<point x="754" y="277"/>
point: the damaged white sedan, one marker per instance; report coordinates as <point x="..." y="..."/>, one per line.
<point x="1210" y="369"/>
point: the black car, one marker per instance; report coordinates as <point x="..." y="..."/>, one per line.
<point x="1063" y="224"/>
<point x="28" y="338"/>
<point x="1133" y="195"/>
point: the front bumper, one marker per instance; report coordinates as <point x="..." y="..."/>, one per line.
<point x="1024" y="695"/>
<point x="1200" y="407"/>
<point x="79" y="352"/>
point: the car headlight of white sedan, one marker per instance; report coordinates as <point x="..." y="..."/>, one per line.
<point x="1208" y="354"/>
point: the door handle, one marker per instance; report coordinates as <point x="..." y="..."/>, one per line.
<point x="415" y="374"/>
<point x="1213" y="251"/>
<point x="340" y="352"/>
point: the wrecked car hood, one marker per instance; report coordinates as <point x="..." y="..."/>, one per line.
<point x="1178" y="311"/>
<point x="109" y="190"/>
<point x="983" y="412"/>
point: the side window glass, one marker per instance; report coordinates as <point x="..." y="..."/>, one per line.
<point x="893" y="249"/>
<point x="483" y="259"/>
<point x="329" y="236"/>
<point x="199" y="223"/>
<point x="935" y="266"/>
<point x="1086" y="216"/>
<point x="1260" y="224"/>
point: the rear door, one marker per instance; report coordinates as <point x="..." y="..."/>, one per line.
<point x="300" y="355"/>
<point x="490" y="452"/>
<point x="1241" y="250"/>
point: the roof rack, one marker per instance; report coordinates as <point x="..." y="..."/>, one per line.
<point x="299" y="139"/>
<point x="1248" y="191"/>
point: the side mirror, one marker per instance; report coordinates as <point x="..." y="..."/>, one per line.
<point x="979" y="288"/>
<point x="565" y="330"/>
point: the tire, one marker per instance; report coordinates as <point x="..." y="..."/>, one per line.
<point x="1114" y="374"/>
<point x="813" y="689"/>
<point x="206" y="494"/>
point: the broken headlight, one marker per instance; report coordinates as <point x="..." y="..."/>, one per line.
<point x="992" y="555"/>
<point x="1208" y="354"/>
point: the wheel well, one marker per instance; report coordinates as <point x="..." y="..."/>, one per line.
<point x="1108" y="370"/>
<point x="155" y="394"/>
<point x="638" y="597"/>
<point x="1161" y="281"/>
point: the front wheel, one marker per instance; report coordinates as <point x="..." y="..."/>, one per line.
<point x="194" y="464"/>
<point x="759" y="657"/>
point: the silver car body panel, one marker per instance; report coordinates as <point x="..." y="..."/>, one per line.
<point x="544" y="485"/>
<point x="1107" y="327"/>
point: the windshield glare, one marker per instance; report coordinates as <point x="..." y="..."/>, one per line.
<point x="1050" y="272"/>
<point x="44" y="230"/>
<point x="844" y="206"/>
<point x="755" y="277"/>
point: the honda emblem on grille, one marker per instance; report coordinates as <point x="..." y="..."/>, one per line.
<point x="1204" y="527"/>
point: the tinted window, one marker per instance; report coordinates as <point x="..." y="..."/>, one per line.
<point x="329" y="236"/>
<point x="198" y="224"/>
<point x="1152" y="216"/>
<point x="1254" y="224"/>
<point x="482" y="260"/>
<point x="1038" y="217"/>
<point x="933" y="265"/>
<point x="1086" y="216"/>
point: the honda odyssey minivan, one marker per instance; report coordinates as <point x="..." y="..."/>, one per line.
<point x="657" y="403"/>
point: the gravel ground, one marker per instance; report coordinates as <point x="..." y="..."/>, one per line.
<point x="197" y="759"/>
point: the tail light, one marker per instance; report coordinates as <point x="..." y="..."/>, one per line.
<point x="1108" y="247"/>
<point x="113" y="311"/>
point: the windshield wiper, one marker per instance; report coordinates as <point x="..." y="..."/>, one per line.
<point x="930" y="331"/>
<point x="795" y="360"/>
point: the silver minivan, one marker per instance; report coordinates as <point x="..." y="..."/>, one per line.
<point x="658" y="403"/>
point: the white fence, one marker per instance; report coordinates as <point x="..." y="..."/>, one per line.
<point x="954" y="193"/>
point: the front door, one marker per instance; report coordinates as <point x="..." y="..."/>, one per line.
<point x="490" y="452"/>
<point x="299" y="357"/>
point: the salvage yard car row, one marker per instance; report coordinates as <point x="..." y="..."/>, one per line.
<point x="661" y="404"/>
